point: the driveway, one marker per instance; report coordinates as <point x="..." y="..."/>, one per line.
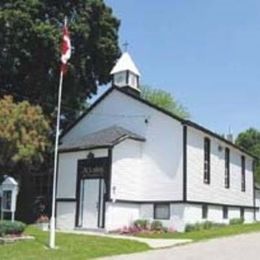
<point x="240" y="247"/>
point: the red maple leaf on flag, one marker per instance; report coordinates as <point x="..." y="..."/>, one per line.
<point x="65" y="49"/>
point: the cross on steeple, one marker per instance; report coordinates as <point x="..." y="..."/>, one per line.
<point x="125" y="44"/>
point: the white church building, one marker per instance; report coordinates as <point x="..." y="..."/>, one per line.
<point x="127" y="159"/>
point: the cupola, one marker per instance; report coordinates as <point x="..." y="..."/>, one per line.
<point x="125" y="74"/>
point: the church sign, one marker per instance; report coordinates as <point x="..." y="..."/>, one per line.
<point x="93" y="168"/>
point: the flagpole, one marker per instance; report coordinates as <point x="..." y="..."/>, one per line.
<point x="54" y="182"/>
<point x="52" y="220"/>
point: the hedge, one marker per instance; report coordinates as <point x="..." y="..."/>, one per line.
<point x="202" y="226"/>
<point x="8" y="227"/>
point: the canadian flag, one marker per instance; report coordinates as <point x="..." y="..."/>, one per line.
<point x="65" y="49"/>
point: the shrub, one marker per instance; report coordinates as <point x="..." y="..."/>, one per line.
<point x="236" y="221"/>
<point x="202" y="226"/>
<point x="189" y="227"/>
<point x="156" y="225"/>
<point x="207" y="225"/>
<point x="11" y="228"/>
<point x="142" y="223"/>
<point x="193" y="227"/>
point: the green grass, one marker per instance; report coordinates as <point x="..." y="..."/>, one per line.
<point x="209" y="233"/>
<point x="71" y="246"/>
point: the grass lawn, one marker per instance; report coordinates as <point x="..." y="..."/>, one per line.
<point x="209" y="233"/>
<point x="71" y="246"/>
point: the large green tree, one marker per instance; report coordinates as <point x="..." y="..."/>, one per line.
<point x="164" y="100"/>
<point x="30" y="34"/>
<point x="250" y="140"/>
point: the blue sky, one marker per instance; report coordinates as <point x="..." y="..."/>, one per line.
<point x="205" y="52"/>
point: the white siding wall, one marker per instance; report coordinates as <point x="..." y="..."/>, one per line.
<point x="127" y="171"/>
<point x="178" y="217"/>
<point x="249" y="215"/>
<point x="146" y="211"/>
<point x="193" y="214"/>
<point x="67" y="173"/>
<point x="152" y="170"/>
<point x="119" y="215"/>
<point x="66" y="212"/>
<point x="233" y="213"/>
<point x="215" y="214"/>
<point x="216" y="192"/>
<point x="161" y="153"/>
<point x="257" y="198"/>
<point x="66" y="185"/>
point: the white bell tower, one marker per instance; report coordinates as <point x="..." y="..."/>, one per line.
<point x="125" y="74"/>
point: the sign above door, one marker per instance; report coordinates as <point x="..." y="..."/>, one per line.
<point x="93" y="168"/>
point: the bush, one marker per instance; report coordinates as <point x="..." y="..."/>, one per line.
<point x="202" y="226"/>
<point x="236" y="221"/>
<point x="157" y="225"/>
<point x="11" y="228"/>
<point x="193" y="227"/>
<point x="142" y="223"/>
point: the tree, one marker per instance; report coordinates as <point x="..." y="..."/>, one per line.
<point x="24" y="133"/>
<point x="30" y="33"/>
<point x="164" y="100"/>
<point x="250" y="141"/>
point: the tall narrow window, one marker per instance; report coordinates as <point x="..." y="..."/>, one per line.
<point x="204" y="211"/>
<point x="206" y="160"/>
<point x="243" y="173"/>
<point x="225" y="212"/>
<point x="242" y="213"/>
<point x="227" y="168"/>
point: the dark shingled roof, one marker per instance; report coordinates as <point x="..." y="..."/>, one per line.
<point x="103" y="138"/>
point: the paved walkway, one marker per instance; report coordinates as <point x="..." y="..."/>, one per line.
<point x="240" y="247"/>
<point x="153" y="243"/>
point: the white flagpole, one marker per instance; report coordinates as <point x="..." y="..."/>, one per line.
<point x="52" y="220"/>
<point x="54" y="183"/>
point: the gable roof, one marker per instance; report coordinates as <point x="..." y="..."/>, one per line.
<point x="181" y="120"/>
<point x="107" y="137"/>
<point x="126" y="93"/>
<point x="125" y="63"/>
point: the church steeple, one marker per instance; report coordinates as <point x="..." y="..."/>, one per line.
<point x="125" y="74"/>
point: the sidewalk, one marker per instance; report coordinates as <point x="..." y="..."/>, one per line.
<point x="152" y="243"/>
